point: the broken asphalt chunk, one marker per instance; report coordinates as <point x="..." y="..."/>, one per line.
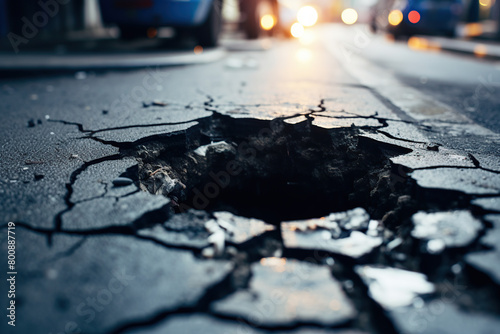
<point x="441" y="316"/>
<point x="122" y="181"/>
<point x="285" y="292"/>
<point x="487" y="203"/>
<point x="401" y="294"/>
<point x="202" y="323"/>
<point x="466" y="180"/>
<point x="327" y="234"/>
<point x="419" y="158"/>
<point x="391" y="287"/>
<point x="450" y="229"/>
<point x="239" y="230"/>
<point x="130" y="211"/>
<point x="108" y="281"/>
<point x="184" y="229"/>
<point x="218" y="146"/>
<point x="197" y="229"/>
<point x="355" y="219"/>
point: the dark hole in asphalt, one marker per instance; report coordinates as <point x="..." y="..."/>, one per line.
<point x="275" y="171"/>
<point x="270" y="170"/>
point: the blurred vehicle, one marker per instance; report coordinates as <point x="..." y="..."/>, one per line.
<point x="409" y="17"/>
<point x="266" y="17"/>
<point x="296" y="15"/>
<point x="137" y="18"/>
<point x="260" y="17"/>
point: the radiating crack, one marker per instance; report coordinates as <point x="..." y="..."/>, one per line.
<point x="69" y="188"/>
<point x="400" y="139"/>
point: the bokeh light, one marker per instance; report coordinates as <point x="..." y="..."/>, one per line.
<point x="486" y="3"/>
<point x="307" y="16"/>
<point x="267" y="22"/>
<point x="417" y="43"/>
<point x="421" y="43"/>
<point x="349" y="16"/>
<point x="480" y="50"/>
<point x="414" y="16"/>
<point x="198" y="49"/>
<point x="473" y="29"/>
<point x="297" y="30"/>
<point x="395" y="17"/>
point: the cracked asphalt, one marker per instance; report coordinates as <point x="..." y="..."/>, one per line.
<point x="331" y="186"/>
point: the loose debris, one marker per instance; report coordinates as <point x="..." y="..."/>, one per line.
<point x="198" y="229"/>
<point x="122" y="181"/>
<point x="445" y="229"/>
<point x="339" y="233"/>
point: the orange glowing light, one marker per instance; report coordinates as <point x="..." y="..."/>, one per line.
<point x="417" y="43"/>
<point x="395" y="17"/>
<point x="473" y="29"/>
<point x="480" y="50"/>
<point x="414" y="16"/>
<point x="198" y="49"/>
<point x="267" y="22"/>
<point x="420" y="43"/>
<point x="486" y="3"/>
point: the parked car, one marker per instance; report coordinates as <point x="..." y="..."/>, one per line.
<point x="202" y="18"/>
<point x="254" y="13"/>
<point x="257" y="14"/>
<point x="409" y="17"/>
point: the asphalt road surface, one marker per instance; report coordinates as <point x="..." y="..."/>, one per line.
<point x="340" y="183"/>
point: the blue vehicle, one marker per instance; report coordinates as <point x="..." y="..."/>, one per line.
<point x="202" y="18"/>
<point x="409" y="17"/>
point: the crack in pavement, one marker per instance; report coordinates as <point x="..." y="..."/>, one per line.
<point x="216" y="291"/>
<point x="69" y="189"/>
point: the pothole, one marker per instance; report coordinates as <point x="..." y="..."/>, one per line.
<point x="271" y="170"/>
<point x="277" y="172"/>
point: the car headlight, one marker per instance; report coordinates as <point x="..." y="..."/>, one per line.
<point x="307" y="16"/>
<point x="395" y="17"/>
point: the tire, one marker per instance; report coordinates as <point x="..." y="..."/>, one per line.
<point x="128" y="33"/>
<point x="208" y="33"/>
<point x="451" y="33"/>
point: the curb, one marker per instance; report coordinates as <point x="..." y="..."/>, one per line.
<point x="466" y="47"/>
<point x="107" y="61"/>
